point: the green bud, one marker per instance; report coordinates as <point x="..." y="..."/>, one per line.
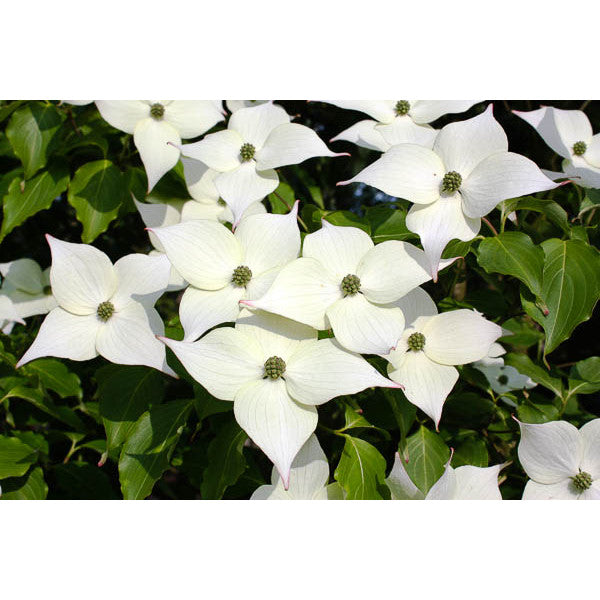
<point x="402" y="107"/>
<point x="582" y="481"/>
<point x="247" y="152"/>
<point x="451" y="182"/>
<point x="47" y="290"/>
<point x="221" y="202"/>
<point x="274" y="367"/>
<point x="105" y="310"/>
<point x="157" y="111"/>
<point x="579" y="148"/>
<point x="416" y="342"/>
<point x="241" y="276"/>
<point x="502" y="379"/>
<point x="351" y="285"/>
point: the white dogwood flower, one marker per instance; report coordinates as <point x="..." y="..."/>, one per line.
<point x="8" y="315"/>
<point x="159" y="126"/>
<point x="569" y="133"/>
<point x="466" y="174"/>
<point x="562" y="461"/>
<point x="102" y="309"/>
<point x="346" y="282"/>
<point x="425" y="355"/>
<point x="463" y="483"/>
<point x="224" y="267"/>
<point x="276" y="372"/>
<point x="257" y="140"/>
<point x="309" y="476"/>
<point x="233" y="105"/>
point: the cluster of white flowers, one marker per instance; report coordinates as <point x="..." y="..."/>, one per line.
<point x="280" y="291"/>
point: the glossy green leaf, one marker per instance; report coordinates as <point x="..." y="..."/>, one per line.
<point x="15" y="457"/>
<point x="282" y="199"/>
<point x="584" y="377"/>
<point x="345" y="218"/>
<point x="471" y="451"/>
<point x="538" y="412"/>
<point x="226" y="461"/>
<point x="540" y="375"/>
<point x="427" y="457"/>
<point x="30" y="486"/>
<point x="552" y="210"/>
<point x="54" y="375"/>
<point x="387" y="224"/>
<point x="361" y="470"/>
<point x="96" y="193"/>
<point x="146" y="453"/>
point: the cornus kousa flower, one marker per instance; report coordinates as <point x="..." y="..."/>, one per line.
<point x="345" y="282"/>
<point x="158" y="127"/>
<point x="569" y="134"/>
<point x="308" y="478"/>
<point x="276" y="372"/>
<point x="102" y="309"/>
<point x="425" y="355"/>
<point x="463" y="483"/>
<point x="258" y="140"/>
<point x="8" y="315"/>
<point x="224" y="267"/>
<point x="397" y="121"/>
<point x="562" y="462"/>
<point x="466" y="174"/>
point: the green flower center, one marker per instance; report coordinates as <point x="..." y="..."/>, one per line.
<point x="582" y="481"/>
<point x="579" y="148"/>
<point x="351" y="285"/>
<point x="241" y="276"/>
<point x="221" y="202"/>
<point x="157" y="111"/>
<point x="503" y="380"/>
<point x="402" y="107"/>
<point x="416" y="342"/>
<point x="105" y="310"/>
<point x="451" y="182"/>
<point x="247" y="152"/>
<point x="47" y="290"/>
<point x="274" y="367"/>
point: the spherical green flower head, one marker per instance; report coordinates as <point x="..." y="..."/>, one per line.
<point x="416" y="342"/>
<point x="105" y="310"/>
<point x="402" y="107"/>
<point x="274" y="367"/>
<point x="247" y="152"/>
<point x="503" y="379"/>
<point x="582" y="481"/>
<point x="241" y="276"/>
<point x="579" y="148"/>
<point x="157" y="111"/>
<point x="451" y="182"/>
<point x="351" y="285"/>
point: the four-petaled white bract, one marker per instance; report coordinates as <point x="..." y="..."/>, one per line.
<point x="276" y="371"/>
<point x="466" y="174"/>
<point x="103" y="309"/>
<point x="159" y="126"/>
<point x="224" y="267"/>
<point x="257" y="140"/>
<point x="309" y="476"/>
<point x="346" y="282"/>
<point x="562" y="461"/>
<point x="569" y="133"/>
<point x="463" y="483"/>
<point x="426" y="353"/>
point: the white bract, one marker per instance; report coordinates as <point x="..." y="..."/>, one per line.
<point x="102" y="309"/>
<point x="425" y="355"/>
<point x="308" y="478"/>
<point x="397" y="121"/>
<point x="223" y="268"/>
<point x="466" y="174"/>
<point x="257" y="140"/>
<point x="562" y="461"/>
<point x="463" y="483"/>
<point x="234" y="105"/>
<point x="569" y="133"/>
<point x="8" y="315"/>
<point x="159" y="126"/>
<point x="346" y="282"/>
<point x="276" y="372"/>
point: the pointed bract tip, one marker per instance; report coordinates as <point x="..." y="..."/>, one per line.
<point x="336" y="154"/>
<point x="246" y="303"/>
<point x="564" y="182"/>
<point x="178" y="146"/>
<point x="343" y="182"/>
<point x="285" y="480"/>
<point x="395" y="385"/>
<point x="294" y="210"/>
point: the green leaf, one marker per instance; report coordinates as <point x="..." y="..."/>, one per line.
<point x="29" y="487"/>
<point x="146" y="453"/>
<point x="513" y="253"/>
<point x="96" y="193"/>
<point x="35" y="440"/>
<point x="345" y="218"/>
<point x="36" y="194"/>
<point x="8" y="109"/>
<point x="526" y="366"/>
<point x="471" y="451"/>
<point x="427" y="457"/>
<point x="387" y="224"/>
<point x="226" y="461"/>
<point x="353" y="419"/>
<point x="125" y="392"/>
<point x="537" y="412"/>
<point x="32" y="132"/>
<point x="15" y="457"/>
<point x="584" y="377"/>
<point x="524" y="332"/>
<point x="361" y="470"/>
<point x="552" y="210"/>
<point x="54" y="375"/>
<point x="81" y="481"/>
<point x="282" y="199"/>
